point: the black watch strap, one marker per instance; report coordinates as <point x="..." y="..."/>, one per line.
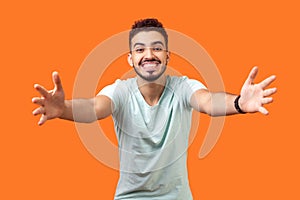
<point x="236" y="105"/>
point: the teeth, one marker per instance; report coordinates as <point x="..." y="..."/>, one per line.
<point x="149" y="64"/>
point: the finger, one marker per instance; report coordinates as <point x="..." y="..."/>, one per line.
<point x="39" y="101"/>
<point x="263" y="110"/>
<point x="41" y="90"/>
<point x="269" y="92"/>
<point x="57" y="81"/>
<point x="43" y="119"/>
<point x="267" y="81"/>
<point x="38" y="111"/>
<point x="267" y="100"/>
<point x="252" y="75"/>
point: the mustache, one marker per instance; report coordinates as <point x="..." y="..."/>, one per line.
<point x="149" y="60"/>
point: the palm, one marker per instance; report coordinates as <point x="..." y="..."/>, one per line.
<point x="51" y="103"/>
<point x="254" y="96"/>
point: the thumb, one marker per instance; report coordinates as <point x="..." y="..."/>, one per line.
<point x="252" y="75"/>
<point x="57" y="81"/>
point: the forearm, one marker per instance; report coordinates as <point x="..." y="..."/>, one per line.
<point x="252" y="98"/>
<point x="79" y="110"/>
<point x="222" y="103"/>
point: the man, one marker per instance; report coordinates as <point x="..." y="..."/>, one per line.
<point x="152" y="115"/>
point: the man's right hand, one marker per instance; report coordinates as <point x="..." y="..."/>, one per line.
<point x="51" y="103"/>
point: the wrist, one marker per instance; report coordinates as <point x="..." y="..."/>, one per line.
<point x="237" y="105"/>
<point x="64" y="108"/>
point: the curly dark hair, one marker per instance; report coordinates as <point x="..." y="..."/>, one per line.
<point x="149" y="24"/>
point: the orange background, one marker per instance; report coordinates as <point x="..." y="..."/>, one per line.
<point x="257" y="157"/>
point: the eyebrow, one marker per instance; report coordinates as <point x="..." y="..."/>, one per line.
<point x="157" y="42"/>
<point x="138" y="43"/>
<point x="153" y="43"/>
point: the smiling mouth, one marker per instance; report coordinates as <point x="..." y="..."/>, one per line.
<point x="150" y="65"/>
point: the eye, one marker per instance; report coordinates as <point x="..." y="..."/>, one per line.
<point x="157" y="49"/>
<point x="139" y="50"/>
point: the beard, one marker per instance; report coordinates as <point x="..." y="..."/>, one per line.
<point x="151" y="77"/>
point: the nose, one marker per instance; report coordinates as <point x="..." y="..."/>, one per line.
<point x="149" y="53"/>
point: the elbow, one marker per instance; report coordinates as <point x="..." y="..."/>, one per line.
<point x="90" y="121"/>
<point x="210" y="113"/>
<point x="213" y="113"/>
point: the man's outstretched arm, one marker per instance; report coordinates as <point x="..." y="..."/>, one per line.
<point x="52" y="104"/>
<point x="252" y="98"/>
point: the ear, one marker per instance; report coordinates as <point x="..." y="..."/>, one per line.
<point x="168" y="56"/>
<point x="129" y="59"/>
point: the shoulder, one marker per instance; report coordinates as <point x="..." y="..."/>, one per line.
<point x="175" y="81"/>
<point x="184" y="81"/>
<point x="118" y="85"/>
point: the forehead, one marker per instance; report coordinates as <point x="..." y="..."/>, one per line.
<point x="148" y="38"/>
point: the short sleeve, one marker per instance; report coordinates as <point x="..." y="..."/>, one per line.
<point x="195" y="85"/>
<point x="184" y="88"/>
<point x="110" y="92"/>
<point x="192" y="86"/>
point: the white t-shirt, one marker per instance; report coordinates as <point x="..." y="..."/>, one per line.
<point x="152" y="140"/>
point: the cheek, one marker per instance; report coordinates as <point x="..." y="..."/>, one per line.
<point x="138" y="60"/>
<point x="164" y="59"/>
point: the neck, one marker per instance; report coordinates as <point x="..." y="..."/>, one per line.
<point x="152" y="91"/>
